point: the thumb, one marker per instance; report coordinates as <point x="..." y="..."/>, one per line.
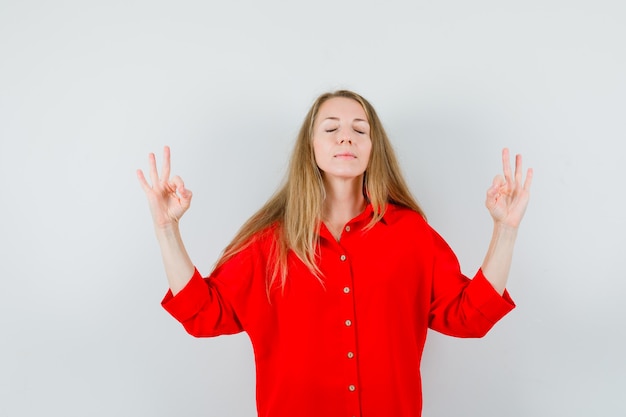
<point x="498" y="182"/>
<point x="493" y="193"/>
<point x="180" y="188"/>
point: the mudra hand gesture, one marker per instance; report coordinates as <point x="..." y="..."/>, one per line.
<point x="507" y="198"/>
<point x="168" y="198"/>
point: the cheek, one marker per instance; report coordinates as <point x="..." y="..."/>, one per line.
<point x="321" y="146"/>
<point x="316" y="148"/>
<point x="367" y="151"/>
<point x="318" y="151"/>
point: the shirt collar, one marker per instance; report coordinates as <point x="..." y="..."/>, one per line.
<point x="361" y="219"/>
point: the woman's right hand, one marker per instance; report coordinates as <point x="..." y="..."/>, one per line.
<point x="168" y="198"/>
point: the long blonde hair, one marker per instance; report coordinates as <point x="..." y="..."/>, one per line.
<point x="295" y="209"/>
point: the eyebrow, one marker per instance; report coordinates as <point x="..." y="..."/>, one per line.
<point x="355" y="120"/>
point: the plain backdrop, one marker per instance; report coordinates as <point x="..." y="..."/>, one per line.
<point x="89" y="88"/>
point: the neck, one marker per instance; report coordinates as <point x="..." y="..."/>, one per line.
<point x="344" y="201"/>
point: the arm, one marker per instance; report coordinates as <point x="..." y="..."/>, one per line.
<point x="459" y="306"/>
<point x="507" y="199"/>
<point x="169" y="200"/>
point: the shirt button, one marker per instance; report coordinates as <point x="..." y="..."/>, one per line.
<point x="348" y="323"/>
<point x="352" y="388"/>
<point x="346" y="290"/>
<point x="342" y="257"/>
<point x="347" y="228"/>
<point x="350" y="355"/>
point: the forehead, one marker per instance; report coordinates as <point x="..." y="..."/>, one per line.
<point x="342" y="108"/>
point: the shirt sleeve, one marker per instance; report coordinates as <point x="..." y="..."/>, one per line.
<point x="202" y="309"/>
<point x="460" y="306"/>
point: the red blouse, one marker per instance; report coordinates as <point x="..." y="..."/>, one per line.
<point x="352" y="346"/>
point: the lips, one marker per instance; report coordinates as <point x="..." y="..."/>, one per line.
<point x="345" y="155"/>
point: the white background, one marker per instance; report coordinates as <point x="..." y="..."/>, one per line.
<point x="87" y="89"/>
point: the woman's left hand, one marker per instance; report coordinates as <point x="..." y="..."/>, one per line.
<point x="508" y="196"/>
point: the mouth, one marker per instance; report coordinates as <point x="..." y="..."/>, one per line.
<point x="347" y="155"/>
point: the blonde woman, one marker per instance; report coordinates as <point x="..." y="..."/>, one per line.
<point x="337" y="278"/>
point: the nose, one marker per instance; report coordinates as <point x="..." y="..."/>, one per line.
<point x="345" y="139"/>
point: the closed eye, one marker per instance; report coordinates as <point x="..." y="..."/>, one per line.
<point x="361" y="127"/>
<point x="330" y="130"/>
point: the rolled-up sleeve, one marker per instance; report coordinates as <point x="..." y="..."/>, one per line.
<point x="202" y="309"/>
<point x="485" y="299"/>
<point x="460" y="306"/>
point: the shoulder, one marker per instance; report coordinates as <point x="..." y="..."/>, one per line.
<point x="261" y="243"/>
<point x="253" y="250"/>
<point x="266" y="237"/>
<point x="395" y="214"/>
<point x="411" y="227"/>
<point x="408" y="225"/>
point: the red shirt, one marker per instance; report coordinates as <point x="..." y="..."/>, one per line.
<point x="353" y="346"/>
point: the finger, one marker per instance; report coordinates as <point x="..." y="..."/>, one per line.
<point x="498" y="182"/>
<point x="178" y="183"/>
<point x="518" y="169"/>
<point x="529" y="180"/>
<point x="506" y="165"/>
<point x="493" y="193"/>
<point x="142" y="180"/>
<point x="180" y="188"/>
<point x="165" y="172"/>
<point x="154" y="174"/>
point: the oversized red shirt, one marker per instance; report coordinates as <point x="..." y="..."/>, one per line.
<point x="352" y="346"/>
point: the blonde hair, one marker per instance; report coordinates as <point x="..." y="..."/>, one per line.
<point x="295" y="209"/>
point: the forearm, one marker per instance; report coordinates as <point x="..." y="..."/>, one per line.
<point x="178" y="266"/>
<point x="497" y="262"/>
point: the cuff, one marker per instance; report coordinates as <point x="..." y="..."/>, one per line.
<point x="189" y="301"/>
<point x="486" y="299"/>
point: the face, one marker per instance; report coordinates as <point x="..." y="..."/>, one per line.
<point x="341" y="139"/>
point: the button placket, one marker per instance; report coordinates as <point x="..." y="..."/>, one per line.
<point x="349" y="325"/>
<point x="350" y="353"/>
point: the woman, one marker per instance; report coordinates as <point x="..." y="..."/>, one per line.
<point x="337" y="278"/>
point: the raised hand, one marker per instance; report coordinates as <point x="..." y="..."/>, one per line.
<point x="168" y="198"/>
<point x="508" y="196"/>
